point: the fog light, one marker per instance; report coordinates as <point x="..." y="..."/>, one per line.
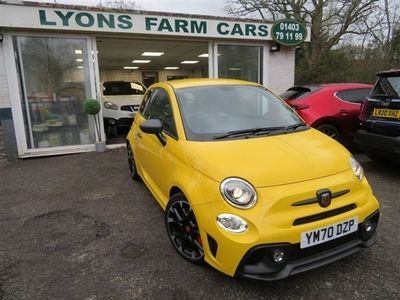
<point x="278" y="256"/>
<point x="232" y="223"/>
<point x="369" y="226"/>
<point x="368" y="229"/>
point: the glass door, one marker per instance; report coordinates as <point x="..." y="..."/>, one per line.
<point x="55" y="79"/>
<point x="240" y="62"/>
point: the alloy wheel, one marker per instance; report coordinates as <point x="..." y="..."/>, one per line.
<point x="330" y="131"/>
<point x="182" y="229"/>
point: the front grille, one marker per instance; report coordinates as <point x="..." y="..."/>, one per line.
<point x="131" y="108"/>
<point x="324" y="215"/>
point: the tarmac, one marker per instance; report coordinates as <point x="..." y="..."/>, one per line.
<point x="78" y="227"/>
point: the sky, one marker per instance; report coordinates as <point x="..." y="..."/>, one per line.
<point x="203" y="7"/>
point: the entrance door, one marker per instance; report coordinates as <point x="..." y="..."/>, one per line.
<point x="56" y="76"/>
<point x="149" y="78"/>
<point x="240" y="62"/>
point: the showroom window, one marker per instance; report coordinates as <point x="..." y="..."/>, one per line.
<point x="240" y="62"/>
<point x="54" y="82"/>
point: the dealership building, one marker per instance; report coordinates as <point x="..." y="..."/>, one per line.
<point x="53" y="57"/>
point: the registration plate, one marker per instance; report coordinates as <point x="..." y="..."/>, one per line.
<point x="386" y="113"/>
<point x="328" y="233"/>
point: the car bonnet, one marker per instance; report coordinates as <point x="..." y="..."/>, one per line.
<point x="270" y="160"/>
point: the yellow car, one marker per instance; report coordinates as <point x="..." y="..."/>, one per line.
<point x="246" y="185"/>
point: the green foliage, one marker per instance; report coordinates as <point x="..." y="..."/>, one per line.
<point x="91" y="106"/>
<point x="350" y="63"/>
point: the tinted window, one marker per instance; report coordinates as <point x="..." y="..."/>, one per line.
<point x="159" y="107"/>
<point x="116" y="88"/>
<point x="212" y="111"/>
<point x="145" y="101"/>
<point x="387" y="87"/>
<point x="357" y="95"/>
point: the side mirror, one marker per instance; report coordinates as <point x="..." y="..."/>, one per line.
<point x="154" y="126"/>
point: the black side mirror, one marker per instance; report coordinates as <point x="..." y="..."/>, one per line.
<point x="154" y="126"/>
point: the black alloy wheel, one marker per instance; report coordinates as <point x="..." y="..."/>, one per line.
<point x="330" y="131"/>
<point x="182" y="229"/>
<point x="132" y="165"/>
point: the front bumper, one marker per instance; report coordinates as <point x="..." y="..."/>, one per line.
<point x="378" y="143"/>
<point x="122" y="122"/>
<point x="258" y="263"/>
<point x="274" y="220"/>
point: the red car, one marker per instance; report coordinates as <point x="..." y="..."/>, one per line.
<point x="331" y="108"/>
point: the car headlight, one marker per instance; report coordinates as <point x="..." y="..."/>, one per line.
<point x="238" y="193"/>
<point x="357" y="169"/>
<point x="110" y="105"/>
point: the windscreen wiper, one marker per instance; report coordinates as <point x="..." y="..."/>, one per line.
<point x="261" y="131"/>
<point x="251" y="131"/>
<point x="295" y="126"/>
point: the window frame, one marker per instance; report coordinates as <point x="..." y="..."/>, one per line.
<point x="146" y="103"/>
<point x="336" y="94"/>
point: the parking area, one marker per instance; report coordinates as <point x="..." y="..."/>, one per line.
<point x="78" y="227"/>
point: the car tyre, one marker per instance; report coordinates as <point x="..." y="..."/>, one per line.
<point x="132" y="164"/>
<point x="330" y="131"/>
<point x="182" y="229"/>
<point x="112" y="130"/>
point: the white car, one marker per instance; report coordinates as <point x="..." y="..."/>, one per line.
<point x="121" y="101"/>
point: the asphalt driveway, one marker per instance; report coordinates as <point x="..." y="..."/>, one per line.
<point x="78" y="227"/>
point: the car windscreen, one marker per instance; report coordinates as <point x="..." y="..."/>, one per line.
<point x="117" y="88"/>
<point x="214" y="111"/>
<point x="387" y="87"/>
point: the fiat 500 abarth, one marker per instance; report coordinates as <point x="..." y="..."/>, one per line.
<point x="245" y="184"/>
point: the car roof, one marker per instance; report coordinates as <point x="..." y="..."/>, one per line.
<point x="331" y="86"/>
<point x="341" y="85"/>
<point x="193" y="82"/>
<point x="395" y="72"/>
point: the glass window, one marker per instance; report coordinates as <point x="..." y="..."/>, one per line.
<point x="240" y="62"/>
<point x="116" y="88"/>
<point x="357" y="95"/>
<point x="55" y="80"/>
<point x="160" y="108"/>
<point x="209" y="112"/>
<point x="387" y="87"/>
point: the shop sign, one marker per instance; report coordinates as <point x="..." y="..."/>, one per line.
<point x="289" y="32"/>
<point x="100" y="21"/>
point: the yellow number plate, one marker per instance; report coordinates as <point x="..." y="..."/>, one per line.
<point x="386" y="113"/>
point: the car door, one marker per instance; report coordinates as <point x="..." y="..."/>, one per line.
<point x="154" y="159"/>
<point x="348" y="104"/>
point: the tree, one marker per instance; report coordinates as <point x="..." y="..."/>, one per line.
<point x="330" y="21"/>
<point x="385" y="32"/>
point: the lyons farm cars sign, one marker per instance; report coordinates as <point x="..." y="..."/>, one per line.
<point x="30" y="17"/>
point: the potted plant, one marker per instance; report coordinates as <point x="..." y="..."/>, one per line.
<point x="92" y="107"/>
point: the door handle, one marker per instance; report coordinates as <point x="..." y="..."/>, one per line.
<point x="139" y="135"/>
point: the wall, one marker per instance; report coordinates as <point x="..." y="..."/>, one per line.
<point x="4" y="94"/>
<point x="9" y="144"/>
<point x="281" y="67"/>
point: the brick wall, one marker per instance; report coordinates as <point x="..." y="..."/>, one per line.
<point x="281" y="69"/>
<point x="4" y="94"/>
